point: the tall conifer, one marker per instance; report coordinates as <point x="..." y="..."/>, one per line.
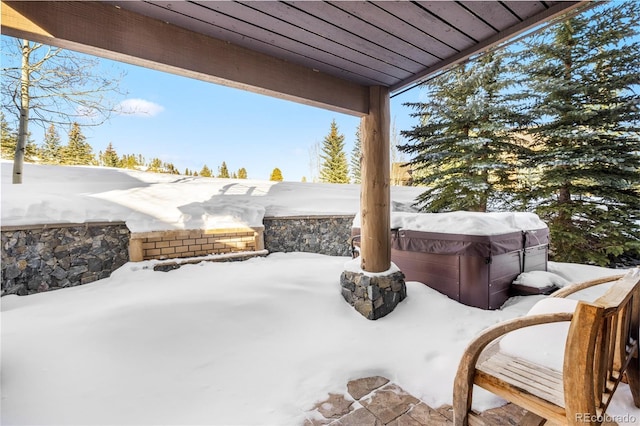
<point x="584" y="77"/>
<point x="9" y="138"/>
<point x="334" y="167"/>
<point x="223" y="171"/>
<point x="464" y="149"/>
<point x="77" y="151"/>
<point x="356" y="158"/>
<point x="205" y="171"/>
<point x="50" y="152"/>
<point x="110" y="157"/>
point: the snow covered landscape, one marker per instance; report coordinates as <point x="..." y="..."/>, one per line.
<point x="245" y="343"/>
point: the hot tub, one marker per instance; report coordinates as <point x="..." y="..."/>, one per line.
<point x="471" y="257"/>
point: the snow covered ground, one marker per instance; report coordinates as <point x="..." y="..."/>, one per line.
<point x="247" y="343"/>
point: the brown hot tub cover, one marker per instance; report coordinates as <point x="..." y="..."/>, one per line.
<point x="476" y="270"/>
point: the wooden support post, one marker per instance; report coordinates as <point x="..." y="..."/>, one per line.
<point x="375" y="249"/>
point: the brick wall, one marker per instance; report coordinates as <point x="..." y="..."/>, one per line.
<point x="194" y="242"/>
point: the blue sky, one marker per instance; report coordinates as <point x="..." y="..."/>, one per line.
<point x="191" y="123"/>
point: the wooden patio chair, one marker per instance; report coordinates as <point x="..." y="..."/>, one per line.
<point x="601" y="345"/>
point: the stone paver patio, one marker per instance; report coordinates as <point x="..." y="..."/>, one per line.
<point x="375" y="401"/>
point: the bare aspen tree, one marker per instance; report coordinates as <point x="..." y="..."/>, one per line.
<point x="49" y="85"/>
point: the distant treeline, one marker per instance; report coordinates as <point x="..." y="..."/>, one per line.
<point x="78" y="151"/>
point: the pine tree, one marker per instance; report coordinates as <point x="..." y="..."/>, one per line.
<point x="131" y="161"/>
<point x="9" y="138"/>
<point x="356" y="158"/>
<point x="155" y="165"/>
<point x="584" y="74"/>
<point x="276" y="175"/>
<point x="334" y="161"/>
<point x="169" y="168"/>
<point x="464" y="149"/>
<point x="234" y="175"/>
<point x="223" y="171"/>
<point x="187" y="172"/>
<point x="242" y="173"/>
<point x="110" y="157"/>
<point x="77" y="151"/>
<point x="51" y="147"/>
<point x="205" y="171"/>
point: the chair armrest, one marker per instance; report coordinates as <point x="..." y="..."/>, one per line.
<point x="573" y="288"/>
<point x="463" y="384"/>
<point x="477" y="345"/>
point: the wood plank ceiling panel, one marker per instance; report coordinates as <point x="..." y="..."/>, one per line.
<point x="525" y="9"/>
<point x="246" y="34"/>
<point x="290" y="23"/>
<point x="427" y="23"/>
<point x="493" y="13"/>
<point x="336" y="33"/>
<point x="459" y="17"/>
<point x="390" y="24"/>
<point x="355" y="24"/>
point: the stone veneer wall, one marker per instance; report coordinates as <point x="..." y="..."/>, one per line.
<point x="37" y="258"/>
<point x="316" y="234"/>
<point x="44" y="257"/>
<point x="194" y="242"/>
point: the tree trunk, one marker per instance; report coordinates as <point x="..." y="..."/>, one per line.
<point x="23" y="128"/>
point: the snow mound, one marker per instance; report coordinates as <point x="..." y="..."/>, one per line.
<point x="540" y="279"/>
<point x="461" y="222"/>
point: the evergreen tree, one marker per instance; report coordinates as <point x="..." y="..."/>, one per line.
<point x="334" y="161"/>
<point x="464" y="149"/>
<point x="110" y="157"/>
<point x="155" y="165"/>
<point x="187" y="172"/>
<point x="51" y="147"/>
<point x="234" y="175"/>
<point x="242" y="173"/>
<point x="276" y="175"/>
<point x="223" y="171"/>
<point x="169" y="168"/>
<point x="584" y="75"/>
<point x="304" y="179"/>
<point x="356" y="158"/>
<point x="77" y="151"/>
<point x="205" y="171"/>
<point x="131" y="161"/>
<point x="9" y="138"/>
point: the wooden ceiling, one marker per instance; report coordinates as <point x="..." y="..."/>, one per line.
<point x="388" y="43"/>
<point x="321" y="53"/>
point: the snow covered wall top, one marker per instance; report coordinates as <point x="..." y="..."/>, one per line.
<point x="156" y="202"/>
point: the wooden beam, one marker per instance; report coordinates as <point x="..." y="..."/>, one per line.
<point x="104" y="30"/>
<point x="375" y="244"/>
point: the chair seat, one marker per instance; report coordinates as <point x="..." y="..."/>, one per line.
<point x="522" y="374"/>
<point x="541" y="344"/>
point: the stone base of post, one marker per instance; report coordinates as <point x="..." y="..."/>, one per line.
<point x="373" y="295"/>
